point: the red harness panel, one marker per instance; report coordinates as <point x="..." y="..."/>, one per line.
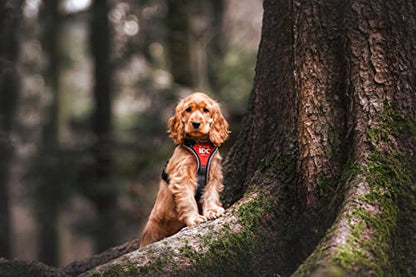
<point x="204" y="151"/>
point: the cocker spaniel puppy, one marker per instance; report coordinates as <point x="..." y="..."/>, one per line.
<point x="192" y="179"/>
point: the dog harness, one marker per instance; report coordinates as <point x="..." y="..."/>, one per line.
<point x="203" y="153"/>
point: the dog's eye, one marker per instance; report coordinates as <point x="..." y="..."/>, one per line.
<point x="206" y="110"/>
<point x="188" y="110"/>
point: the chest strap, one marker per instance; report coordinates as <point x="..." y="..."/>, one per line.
<point x="203" y="153"/>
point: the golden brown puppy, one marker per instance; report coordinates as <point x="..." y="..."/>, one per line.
<point x="192" y="180"/>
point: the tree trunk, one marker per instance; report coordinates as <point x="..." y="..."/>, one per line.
<point x="321" y="179"/>
<point x="101" y="192"/>
<point x="10" y="13"/>
<point x="196" y="43"/>
<point x="47" y="203"/>
<point x="217" y="44"/>
<point x="373" y="232"/>
<point x="52" y="21"/>
<point x="179" y="43"/>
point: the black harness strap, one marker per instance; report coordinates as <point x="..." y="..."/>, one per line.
<point x="165" y="176"/>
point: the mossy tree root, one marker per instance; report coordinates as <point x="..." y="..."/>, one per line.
<point x="222" y="246"/>
<point x="363" y="240"/>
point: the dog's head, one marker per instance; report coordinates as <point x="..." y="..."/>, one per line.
<point x="198" y="117"/>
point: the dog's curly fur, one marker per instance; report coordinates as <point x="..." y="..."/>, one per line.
<point x="175" y="205"/>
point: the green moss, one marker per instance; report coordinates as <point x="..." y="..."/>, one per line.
<point x="118" y="270"/>
<point x="389" y="177"/>
<point x="397" y="172"/>
<point x="374" y="216"/>
<point x="232" y="252"/>
<point x="370" y="220"/>
<point x="251" y="212"/>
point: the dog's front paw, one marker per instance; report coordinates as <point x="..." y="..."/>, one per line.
<point x="195" y="220"/>
<point x="214" y="213"/>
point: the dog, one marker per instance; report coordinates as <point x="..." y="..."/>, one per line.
<point x="192" y="180"/>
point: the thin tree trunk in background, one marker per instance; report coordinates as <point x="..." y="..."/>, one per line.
<point x="217" y="44"/>
<point x="52" y="23"/>
<point x="179" y="42"/>
<point x="196" y="44"/>
<point x="101" y="192"/>
<point x="10" y="14"/>
<point x="47" y="205"/>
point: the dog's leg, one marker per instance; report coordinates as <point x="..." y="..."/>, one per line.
<point x="211" y="205"/>
<point x="183" y="189"/>
<point x="151" y="233"/>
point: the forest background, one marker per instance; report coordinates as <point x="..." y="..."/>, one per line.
<point x="85" y="138"/>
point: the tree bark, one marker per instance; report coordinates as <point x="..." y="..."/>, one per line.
<point x="320" y="86"/>
<point x="10" y="14"/>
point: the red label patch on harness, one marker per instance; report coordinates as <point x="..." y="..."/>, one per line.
<point x="204" y="151"/>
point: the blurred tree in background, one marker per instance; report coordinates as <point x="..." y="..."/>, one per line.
<point x="83" y="145"/>
<point x="49" y="192"/>
<point x="10" y="16"/>
<point x="100" y="190"/>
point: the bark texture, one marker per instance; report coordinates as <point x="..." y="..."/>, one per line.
<point x="320" y="71"/>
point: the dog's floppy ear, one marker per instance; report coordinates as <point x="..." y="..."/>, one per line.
<point x="218" y="131"/>
<point x="176" y="125"/>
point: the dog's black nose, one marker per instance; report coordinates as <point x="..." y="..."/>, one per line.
<point x="196" y="124"/>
